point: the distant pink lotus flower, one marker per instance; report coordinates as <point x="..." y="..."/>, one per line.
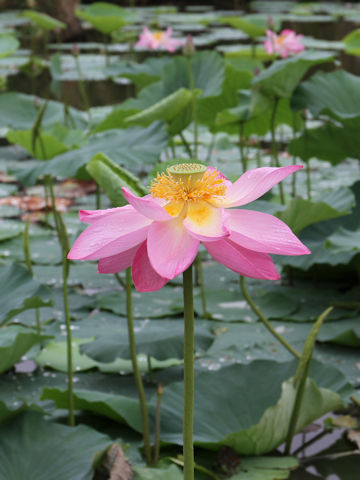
<point x="285" y="44"/>
<point x="158" y="40"/>
<point x="159" y="234"/>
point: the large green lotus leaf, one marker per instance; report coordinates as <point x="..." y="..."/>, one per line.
<point x="105" y="17"/>
<point x="254" y="124"/>
<point x="329" y="142"/>
<point x="115" y="119"/>
<point x="134" y="148"/>
<point x="234" y="80"/>
<point x="159" y="339"/>
<point x="10" y="229"/>
<point x="334" y="94"/>
<point x="352" y="42"/>
<point x="254" y="415"/>
<point x="344" y="332"/>
<point x="254" y="25"/>
<point x="47" y="146"/>
<point x="345" y="240"/>
<point x="19" y="111"/>
<point x="171" y="473"/>
<point x="208" y="70"/>
<point x="8" y="45"/>
<point x="141" y="74"/>
<point x="301" y="213"/>
<point x="111" y="178"/>
<point x="20" y="292"/>
<point x="265" y="468"/>
<point x="54" y="356"/>
<point x="149" y="305"/>
<point x="36" y="449"/>
<point x="43" y="21"/>
<point x="281" y="78"/>
<point x="168" y="109"/>
<point x="15" y="341"/>
<point x="117" y="407"/>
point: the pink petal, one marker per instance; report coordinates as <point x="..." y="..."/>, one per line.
<point x="117" y="263"/>
<point x="205" y="222"/>
<point x="254" y="183"/>
<point x="147" y="206"/>
<point x="112" y="233"/>
<point x="243" y="261"/>
<point x="144" y="276"/>
<point x="89" y="216"/>
<point x="264" y="233"/>
<point x="171" y="248"/>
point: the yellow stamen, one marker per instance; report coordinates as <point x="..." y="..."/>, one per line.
<point x="158" y="35"/>
<point x="187" y="183"/>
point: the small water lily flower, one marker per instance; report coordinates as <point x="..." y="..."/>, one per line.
<point x="158" y="40"/>
<point x="159" y="234"/>
<point x="285" y="44"/>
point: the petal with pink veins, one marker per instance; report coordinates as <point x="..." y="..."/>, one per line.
<point x="264" y="233"/>
<point x="90" y="216"/>
<point x="205" y="222"/>
<point x="147" y="206"/>
<point x="171" y="248"/>
<point x="145" y="278"/>
<point x="243" y="261"/>
<point x="254" y="183"/>
<point x="117" y="263"/>
<point x="110" y="234"/>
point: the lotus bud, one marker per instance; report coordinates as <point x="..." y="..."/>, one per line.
<point x="189" y="47"/>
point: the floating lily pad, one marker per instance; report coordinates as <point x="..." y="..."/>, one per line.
<point x="20" y="292"/>
<point x="31" y="447"/>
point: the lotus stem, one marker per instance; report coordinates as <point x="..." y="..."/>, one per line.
<point x="28" y="262"/>
<point x="274" y="147"/>
<point x="188" y="421"/>
<point x="300" y="381"/>
<point x="159" y="394"/>
<point x="137" y="374"/>
<point x="65" y="247"/>
<point x="82" y="87"/>
<point x="243" y="158"/>
<point x="264" y="320"/>
<point x="308" y="179"/>
<point x="186" y="145"/>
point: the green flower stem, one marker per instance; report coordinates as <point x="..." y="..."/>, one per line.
<point x="38" y="323"/>
<point x="194" y="105"/>
<point x="188" y="422"/>
<point x="308" y="179"/>
<point x="159" y="394"/>
<point x="301" y="378"/>
<point x="65" y="268"/>
<point x="243" y="158"/>
<point x="82" y="87"/>
<point x="120" y="280"/>
<point x="137" y="374"/>
<point x="253" y="48"/>
<point x="28" y="263"/>
<point x="274" y="147"/>
<point x="65" y="247"/>
<point x="186" y="145"/>
<point x="264" y="320"/>
<point x="293" y="177"/>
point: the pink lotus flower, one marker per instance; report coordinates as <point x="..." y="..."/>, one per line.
<point x="284" y="44"/>
<point x="158" y="40"/>
<point x="159" y="234"/>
